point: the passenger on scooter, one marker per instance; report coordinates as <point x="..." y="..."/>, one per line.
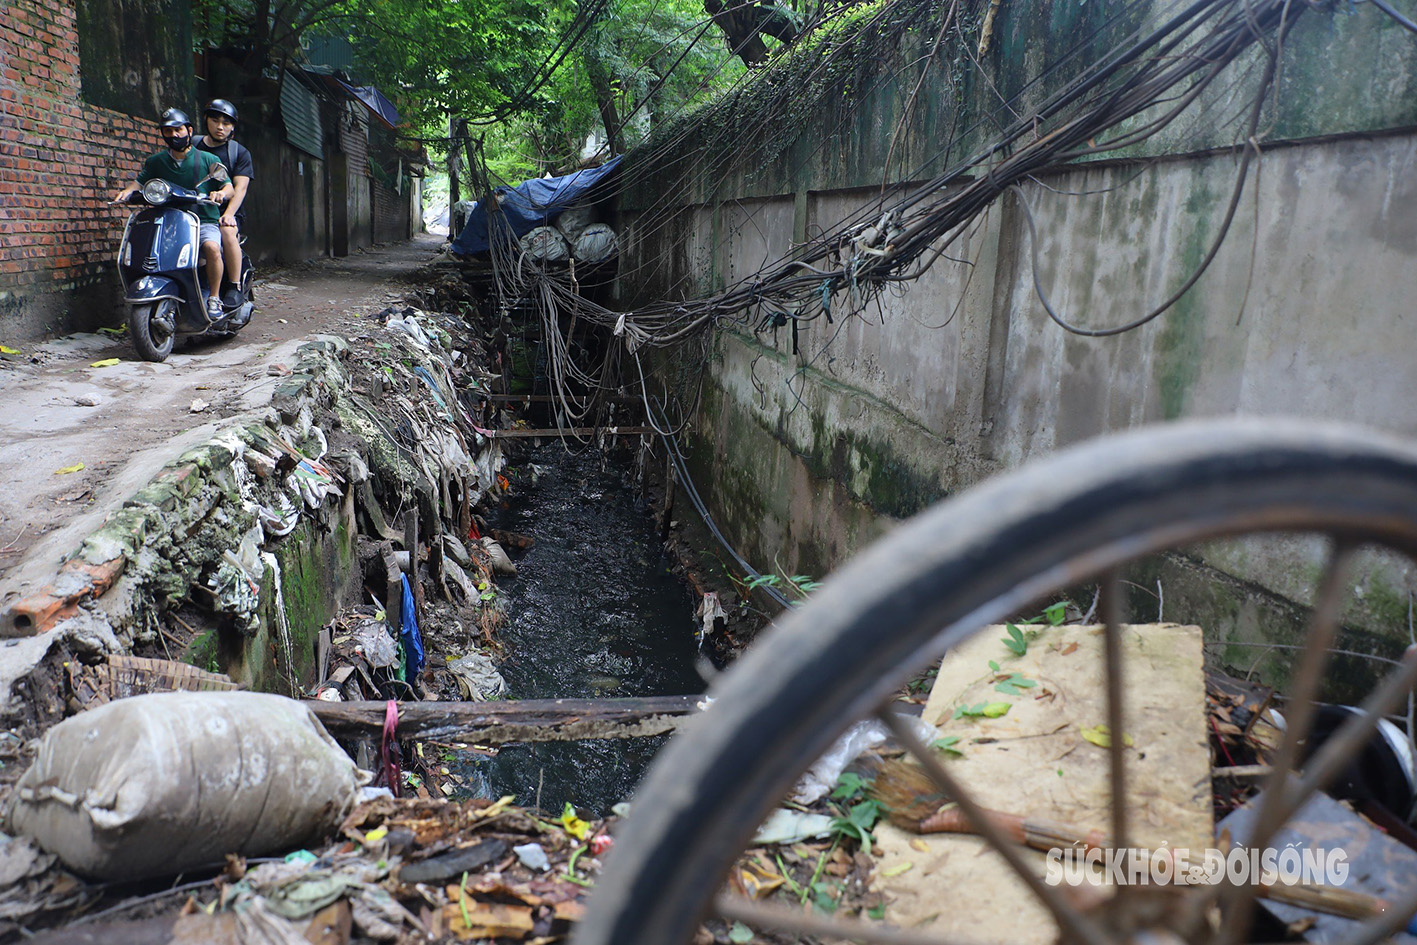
<point x="185" y="166"/>
<point x="220" y="120"/>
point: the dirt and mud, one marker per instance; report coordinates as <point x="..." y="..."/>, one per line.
<point x="76" y="439"/>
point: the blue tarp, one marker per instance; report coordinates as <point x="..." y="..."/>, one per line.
<point x="374" y="100"/>
<point x="528" y="205"/>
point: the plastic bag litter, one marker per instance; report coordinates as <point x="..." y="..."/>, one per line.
<point x="789" y="826"/>
<point x="477" y="677"/>
<point x="823" y="775"/>
<point x="376" y="643"/>
<point x="159" y="784"/>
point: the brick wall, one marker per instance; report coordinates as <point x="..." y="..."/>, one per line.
<point x="60" y="161"/>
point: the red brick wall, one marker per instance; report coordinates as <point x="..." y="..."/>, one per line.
<point x="60" y="161"/>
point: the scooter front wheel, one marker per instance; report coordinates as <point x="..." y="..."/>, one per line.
<point x="153" y="328"/>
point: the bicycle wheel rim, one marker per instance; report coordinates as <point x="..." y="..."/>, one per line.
<point x="940" y="577"/>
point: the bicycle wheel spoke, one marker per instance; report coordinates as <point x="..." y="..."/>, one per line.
<point x="1074" y="923"/>
<point x="1300" y="710"/>
<point x="763" y="916"/>
<point x="1350" y="738"/>
<point x="1116" y="750"/>
<point x="1303" y="697"/>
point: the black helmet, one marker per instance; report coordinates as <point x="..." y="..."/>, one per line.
<point x="220" y="106"/>
<point x="174" y="118"/>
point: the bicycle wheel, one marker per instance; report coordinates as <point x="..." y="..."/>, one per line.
<point x="975" y="560"/>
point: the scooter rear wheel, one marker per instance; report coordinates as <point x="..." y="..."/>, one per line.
<point x="153" y="328"/>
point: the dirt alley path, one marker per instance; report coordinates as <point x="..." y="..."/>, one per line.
<point x="126" y="421"/>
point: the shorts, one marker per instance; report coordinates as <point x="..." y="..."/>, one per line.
<point x="209" y="233"/>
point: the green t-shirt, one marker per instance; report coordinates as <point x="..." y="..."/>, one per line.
<point x="191" y="169"/>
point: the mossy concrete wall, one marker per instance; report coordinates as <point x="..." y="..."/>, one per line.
<point x="1305" y="311"/>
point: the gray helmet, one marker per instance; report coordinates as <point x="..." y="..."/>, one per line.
<point x="174" y="118"/>
<point x="220" y="106"/>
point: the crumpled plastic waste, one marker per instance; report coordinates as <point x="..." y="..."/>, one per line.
<point x="312" y="481"/>
<point x="823" y="775"/>
<point x="710" y="610"/>
<point x="237" y="580"/>
<point x="532" y="856"/>
<point x="478" y="678"/>
<point x="410" y="327"/>
<point x="280" y="521"/>
<point x="378" y="647"/>
<point x="790" y="826"/>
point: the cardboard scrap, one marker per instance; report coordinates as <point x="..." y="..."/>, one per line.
<point x="1038" y="760"/>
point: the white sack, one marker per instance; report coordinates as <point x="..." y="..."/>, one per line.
<point x="597" y="244"/>
<point x="546" y="244"/>
<point x="163" y="783"/>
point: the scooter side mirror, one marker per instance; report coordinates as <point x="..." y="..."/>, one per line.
<point x="217" y="173"/>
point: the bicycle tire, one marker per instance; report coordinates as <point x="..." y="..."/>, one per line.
<point x="967" y="562"/>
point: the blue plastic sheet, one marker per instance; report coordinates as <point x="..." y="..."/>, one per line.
<point x="526" y="206"/>
<point x="409" y="635"/>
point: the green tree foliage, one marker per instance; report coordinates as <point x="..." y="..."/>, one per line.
<point x="534" y="78"/>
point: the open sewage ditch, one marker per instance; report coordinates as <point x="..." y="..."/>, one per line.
<point x="390" y="528"/>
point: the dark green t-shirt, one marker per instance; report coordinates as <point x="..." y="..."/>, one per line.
<point x="186" y="174"/>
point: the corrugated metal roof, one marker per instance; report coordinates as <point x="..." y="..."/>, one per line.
<point x="333" y="51"/>
<point x="301" y="111"/>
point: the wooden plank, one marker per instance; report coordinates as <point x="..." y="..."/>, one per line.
<point x="544" y="398"/>
<point x="570" y="431"/>
<point x="530" y="720"/>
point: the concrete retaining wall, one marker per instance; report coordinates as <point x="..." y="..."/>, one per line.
<point x="1306" y="309"/>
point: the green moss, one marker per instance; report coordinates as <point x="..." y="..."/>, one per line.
<point x="202" y="652"/>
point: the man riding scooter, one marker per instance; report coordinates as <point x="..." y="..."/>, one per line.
<point x="185" y="166"/>
<point x="220" y="121"/>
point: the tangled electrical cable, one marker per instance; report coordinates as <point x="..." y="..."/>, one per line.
<point x="1167" y="70"/>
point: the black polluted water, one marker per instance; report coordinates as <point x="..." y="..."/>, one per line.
<point x="593" y="613"/>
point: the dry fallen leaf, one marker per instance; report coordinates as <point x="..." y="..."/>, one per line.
<point x="920" y="846"/>
<point x="469" y="919"/>
<point x="69" y="469"/>
<point x="1101" y="736"/>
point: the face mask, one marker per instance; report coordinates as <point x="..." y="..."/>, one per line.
<point x="180" y="144"/>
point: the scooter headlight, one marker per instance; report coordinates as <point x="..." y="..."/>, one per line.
<point x="157" y="191"/>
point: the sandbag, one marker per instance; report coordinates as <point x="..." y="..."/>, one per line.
<point x="597" y="244"/>
<point x="574" y="219"/>
<point x="546" y="244"/>
<point x="160" y="784"/>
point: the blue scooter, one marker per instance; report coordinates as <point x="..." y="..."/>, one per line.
<point x="164" y="276"/>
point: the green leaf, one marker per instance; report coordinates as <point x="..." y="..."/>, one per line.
<point x="1015" y="641"/>
<point x="947" y="744"/>
<point x="1014" y="685"/>
<point x="994" y="666"/>
<point x="849" y="785"/>
<point x="877" y="912"/>
<point x="740" y="934"/>
<point x="996" y="710"/>
<point x="1056" y="613"/>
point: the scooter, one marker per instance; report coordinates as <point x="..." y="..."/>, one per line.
<point x="164" y="275"/>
